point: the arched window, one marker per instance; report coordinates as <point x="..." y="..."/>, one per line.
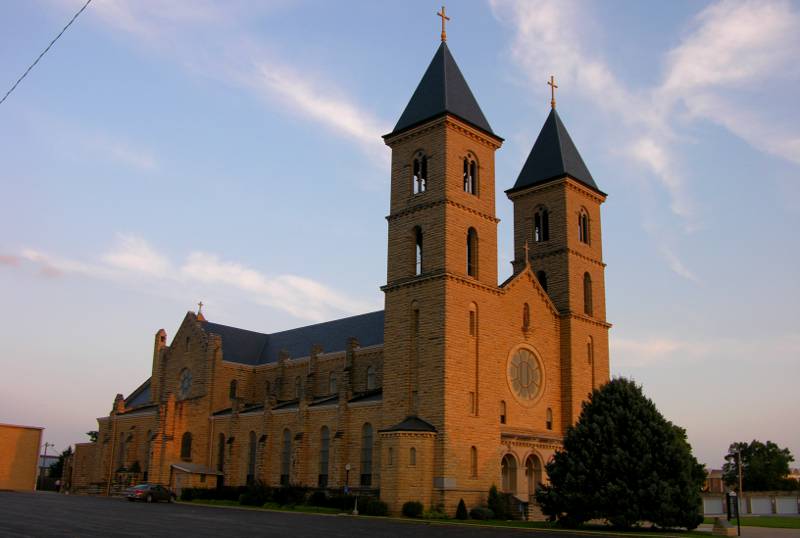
<point x="332" y="383"/>
<point x="526" y="317"/>
<point x="473" y="462"/>
<point x="472" y="252"/>
<point x="298" y="387"/>
<point x="412" y="456"/>
<point x="286" y="457"/>
<point x="470" y="175"/>
<point x="391" y="456"/>
<point x="186" y="345"/>
<point x="267" y="389"/>
<point x="372" y="382"/>
<point x="473" y="322"/>
<point x="324" y="456"/>
<point x="186" y="446"/>
<point x="589" y="350"/>
<point x="502" y="411"/>
<point x="251" y="459"/>
<point x="232" y="390"/>
<point x="221" y="452"/>
<point x="583" y="227"/>
<point x="587" y="294"/>
<point x="541" y="225"/>
<point x="541" y="276"/>
<point x="417" y="250"/>
<point x="533" y="471"/>
<point x="549" y="419"/>
<point x="420" y="177"/>
<point x="366" y="454"/>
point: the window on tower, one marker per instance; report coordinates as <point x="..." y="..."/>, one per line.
<point x="583" y="227"/>
<point x="472" y="252"/>
<point x="417" y="250"/>
<point x="420" y="175"/>
<point x="587" y="294"/>
<point x="541" y="225"/>
<point x="470" y="175"/>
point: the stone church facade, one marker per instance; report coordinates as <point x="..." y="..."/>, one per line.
<point x="458" y="384"/>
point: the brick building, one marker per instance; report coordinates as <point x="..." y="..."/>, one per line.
<point x="19" y="455"/>
<point x="458" y="384"/>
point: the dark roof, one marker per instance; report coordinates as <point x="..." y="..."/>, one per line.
<point x="140" y="396"/>
<point x="249" y="347"/>
<point x="553" y="156"/>
<point x="411" y="424"/>
<point x="332" y="399"/>
<point x="441" y="90"/>
<point x="375" y="395"/>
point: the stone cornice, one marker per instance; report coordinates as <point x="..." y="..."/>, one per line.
<point x="451" y="122"/>
<point x="571" y="184"/>
<point x="442" y="201"/>
<point x="587" y="319"/>
<point x="561" y="250"/>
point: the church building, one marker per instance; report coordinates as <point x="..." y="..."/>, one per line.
<point x="458" y="384"/>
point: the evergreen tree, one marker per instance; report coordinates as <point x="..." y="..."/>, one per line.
<point x="461" y="511"/>
<point x="765" y="467"/>
<point x="57" y="467"/>
<point x="624" y="462"/>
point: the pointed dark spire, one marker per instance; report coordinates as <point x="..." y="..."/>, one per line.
<point x="442" y="90"/>
<point x="553" y="156"/>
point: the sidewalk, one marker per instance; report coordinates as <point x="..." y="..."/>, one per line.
<point x="758" y="532"/>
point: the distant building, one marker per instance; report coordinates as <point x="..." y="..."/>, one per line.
<point x="714" y="482"/>
<point x="45" y="462"/>
<point x="19" y="448"/>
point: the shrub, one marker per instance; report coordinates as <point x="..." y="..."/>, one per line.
<point x="374" y="507"/>
<point x="289" y="495"/>
<point x="624" y="462"/>
<point x="461" y="511"/>
<point x="318" y="498"/>
<point x="187" y="494"/>
<point x="412" y="509"/>
<point x="436" y="512"/>
<point x="481" y="513"/>
<point x="499" y="503"/>
<point x="341" y="502"/>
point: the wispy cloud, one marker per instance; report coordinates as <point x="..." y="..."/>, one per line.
<point x="11" y="260"/>
<point x="133" y="260"/>
<point x="215" y="40"/>
<point x="712" y="75"/>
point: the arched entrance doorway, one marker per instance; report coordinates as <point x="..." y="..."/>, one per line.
<point x="509" y="470"/>
<point x="533" y="473"/>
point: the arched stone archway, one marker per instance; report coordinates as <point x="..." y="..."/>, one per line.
<point x="533" y="474"/>
<point x="509" y="471"/>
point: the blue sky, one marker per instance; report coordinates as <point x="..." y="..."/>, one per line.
<point x="164" y="153"/>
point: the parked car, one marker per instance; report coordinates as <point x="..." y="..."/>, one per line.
<point x="149" y="493"/>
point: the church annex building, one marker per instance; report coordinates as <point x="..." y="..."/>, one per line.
<point x="458" y="384"/>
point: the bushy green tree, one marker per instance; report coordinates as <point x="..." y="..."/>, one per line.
<point x="764" y="466"/>
<point x="624" y="462"/>
<point x="57" y="467"/>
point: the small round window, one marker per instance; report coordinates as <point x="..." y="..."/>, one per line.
<point x="186" y="383"/>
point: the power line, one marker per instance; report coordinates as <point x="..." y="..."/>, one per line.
<point x="44" y="51"/>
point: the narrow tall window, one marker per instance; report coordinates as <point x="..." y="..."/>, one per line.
<point x="526" y="317"/>
<point x="187" y="344"/>
<point x="267" y="390"/>
<point x="502" y="412"/>
<point x="232" y="389"/>
<point x="366" y="454"/>
<point x="472" y="252"/>
<point x="587" y="294"/>
<point x="420" y="177"/>
<point x="541" y="276"/>
<point x="549" y="419"/>
<point x="332" y="383"/>
<point x="473" y="462"/>
<point x="186" y="446"/>
<point x="391" y="456"/>
<point x="324" y="456"/>
<point x="472" y="323"/>
<point x="417" y="251"/>
<point x="372" y="382"/>
<point x="541" y="225"/>
<point x="470" y="176"/>
<point x="590" y="350"/>
<point x="251" y="459"/>
<point x="412" y="456"/>
<point x="298" y="387"/>
<point x="286" y="457"/>
<point x="221" y="452"/>
<point x="583" y="227"/>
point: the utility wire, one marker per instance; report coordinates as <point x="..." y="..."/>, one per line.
<point x="44" y="51"/>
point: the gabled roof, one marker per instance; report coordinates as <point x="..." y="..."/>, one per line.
<point x="412" y="424"/>
<point x="253" y="348"/>
<point x="442" y="89"/>
<point x="553" y="156"/>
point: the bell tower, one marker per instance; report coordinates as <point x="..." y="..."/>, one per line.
<point x="557" y="222"/>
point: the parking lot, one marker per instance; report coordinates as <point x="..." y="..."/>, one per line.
<point x="51" y="514"/>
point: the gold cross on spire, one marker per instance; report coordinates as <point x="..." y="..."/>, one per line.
<point x="444" y="19"/>
<point x="200" y="307"/>
<point x="553" y="86"/>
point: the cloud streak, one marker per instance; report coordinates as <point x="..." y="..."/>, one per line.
<point x="133" y="260"/>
